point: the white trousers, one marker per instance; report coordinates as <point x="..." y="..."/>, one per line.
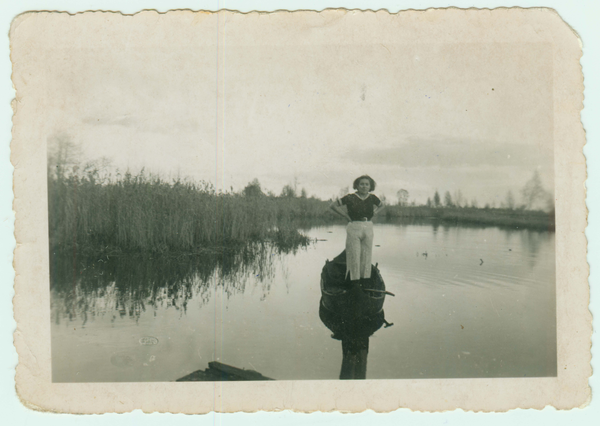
<point x="359" y="249"/>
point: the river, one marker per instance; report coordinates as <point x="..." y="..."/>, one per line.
<point x="469" y="302"/>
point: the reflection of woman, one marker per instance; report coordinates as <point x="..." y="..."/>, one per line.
<point x="354" y="332"/>
<point x="361" y="206"/>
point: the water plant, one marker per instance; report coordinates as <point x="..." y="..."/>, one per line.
<point x="142" y="213"/>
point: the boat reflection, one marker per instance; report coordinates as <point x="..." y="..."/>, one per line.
<point x="353" y="312"/>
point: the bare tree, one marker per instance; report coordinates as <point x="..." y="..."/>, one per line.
<point x="510" y="200"/>
<point x="458" y="198"/>
<point x="436" y="199"/>
<point x="402" y="195"/>
<point x="288" y="191"/>
<point x="253" y="189"/>
<point x="63" y="155"/>
<point x="533" y="191"/>
<point x="448" y="199"/>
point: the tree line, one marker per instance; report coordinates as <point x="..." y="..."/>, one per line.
<point x="533" y="197"/>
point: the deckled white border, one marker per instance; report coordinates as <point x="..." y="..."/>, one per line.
<point x="588" y="97"/>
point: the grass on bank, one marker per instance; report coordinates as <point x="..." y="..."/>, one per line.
<point x="148" y="214"/>
<point x="504" y="218"/>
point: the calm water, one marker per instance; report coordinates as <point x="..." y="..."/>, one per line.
<point x="470" y="302"/>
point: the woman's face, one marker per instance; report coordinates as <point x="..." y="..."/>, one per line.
<point x="364" y="186"/>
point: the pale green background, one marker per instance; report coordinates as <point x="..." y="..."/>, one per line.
<point x="582" y="15"/>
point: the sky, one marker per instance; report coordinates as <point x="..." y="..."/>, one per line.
<point x="472" y="117"/>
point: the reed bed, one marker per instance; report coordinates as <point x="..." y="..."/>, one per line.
<point x="148" y="214"/>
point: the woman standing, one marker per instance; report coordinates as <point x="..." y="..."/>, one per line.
<point x="361" y="206"/>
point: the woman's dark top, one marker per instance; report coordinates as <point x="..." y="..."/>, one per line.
<point x="358" y="209"/>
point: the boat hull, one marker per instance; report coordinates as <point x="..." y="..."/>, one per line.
<point x="364" y="298"/>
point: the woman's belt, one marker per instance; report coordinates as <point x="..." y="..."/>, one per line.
<point x="362" y="219"/>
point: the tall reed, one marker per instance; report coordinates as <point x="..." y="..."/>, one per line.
<point x="148" y="214"/>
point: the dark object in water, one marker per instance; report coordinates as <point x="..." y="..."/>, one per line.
<point x="353" y="311"/>
<point x="354" y="332"/>
<point x="218" y="372"/>
<point x="343" y="297"/>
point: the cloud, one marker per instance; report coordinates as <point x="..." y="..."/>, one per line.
<point x="454" y="153"/>
<point x="155" y="123"/>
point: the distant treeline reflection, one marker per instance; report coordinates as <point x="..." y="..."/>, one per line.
<point x="86" y="287"/>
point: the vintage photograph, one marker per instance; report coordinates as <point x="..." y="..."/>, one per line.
<point x="297" y="198"/>
<point x="323" y="212"/>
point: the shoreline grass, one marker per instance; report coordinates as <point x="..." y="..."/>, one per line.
<point x="145" y="214"/>
<point x="502" y="218"/>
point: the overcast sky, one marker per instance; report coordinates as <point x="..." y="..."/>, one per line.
<point x="474" y="117"/>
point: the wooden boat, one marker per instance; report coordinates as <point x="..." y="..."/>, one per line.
<point x="219" y="372"/>
<point x="343" y="297"/>
<point x="353" y="311"/>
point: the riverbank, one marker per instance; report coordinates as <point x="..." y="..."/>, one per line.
<point x="502" y="218"/>
<point x="145" y="214"/>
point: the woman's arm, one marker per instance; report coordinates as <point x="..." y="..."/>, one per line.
<point x="377" y="209"/>
<point x="339" y="210"/>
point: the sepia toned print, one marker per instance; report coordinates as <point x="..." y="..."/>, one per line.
<point x="279" y="201"/>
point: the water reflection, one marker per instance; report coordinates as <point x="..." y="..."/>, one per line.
<point x="434" y="227"/>
<point x="84" y="288"/>
<point x="165" y="317"/>
<point x="353" y="312"/>
<point x="533" y="241"/>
